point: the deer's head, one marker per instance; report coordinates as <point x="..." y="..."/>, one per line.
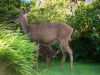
<point x="22" y="14"/>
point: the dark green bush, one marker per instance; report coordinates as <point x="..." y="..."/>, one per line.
<point x="86" y="23"/>
<point x="8" y="9"/>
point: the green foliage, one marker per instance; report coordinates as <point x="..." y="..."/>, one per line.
<point x="16" y="53"/>
<point x="8" y="26"/>
<point x="50" y="11"/>
<point x="8" y="9"/>
<point x="86" y="19"/>
<point x="25" y="4"/>
<point x="86" y="23"/>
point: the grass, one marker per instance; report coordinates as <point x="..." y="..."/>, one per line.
<point x="79" y="69"/>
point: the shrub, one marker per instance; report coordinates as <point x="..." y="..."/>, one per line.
<point x="8" y="9"/>
<point x="86" y="23"/>
<point x="50" y="11"/>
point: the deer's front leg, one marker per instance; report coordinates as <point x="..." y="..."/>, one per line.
<point x="36" y="55"/>
<point x="47" y="61"/>
<point x="63" y="58"/>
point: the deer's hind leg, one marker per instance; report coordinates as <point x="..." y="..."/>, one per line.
<point x="63" y="49"/>
<point x="70" y="52"/>
<point x="66" y="49"/>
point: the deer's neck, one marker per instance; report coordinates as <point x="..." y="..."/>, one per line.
<point x="24" y="24"/>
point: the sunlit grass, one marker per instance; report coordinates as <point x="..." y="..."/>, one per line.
<point x="79" y="69"/>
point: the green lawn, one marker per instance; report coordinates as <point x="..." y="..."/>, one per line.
<point x="79" y="69"/>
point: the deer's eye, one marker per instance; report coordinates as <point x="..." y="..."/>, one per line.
<point x="16" y="16"/>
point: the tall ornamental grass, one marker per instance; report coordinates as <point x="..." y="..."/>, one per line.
<point x="16" y="54"/>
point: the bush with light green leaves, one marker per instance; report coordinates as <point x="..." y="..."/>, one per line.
<point x="50" y="11"/>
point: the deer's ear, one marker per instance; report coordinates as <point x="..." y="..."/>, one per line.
<point x="26" y="10"/>
<point x="23" y="10"/>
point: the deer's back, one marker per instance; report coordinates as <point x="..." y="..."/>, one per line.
<point x="46" y="33"/>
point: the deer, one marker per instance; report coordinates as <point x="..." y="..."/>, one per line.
<point x="48" y="33"/>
